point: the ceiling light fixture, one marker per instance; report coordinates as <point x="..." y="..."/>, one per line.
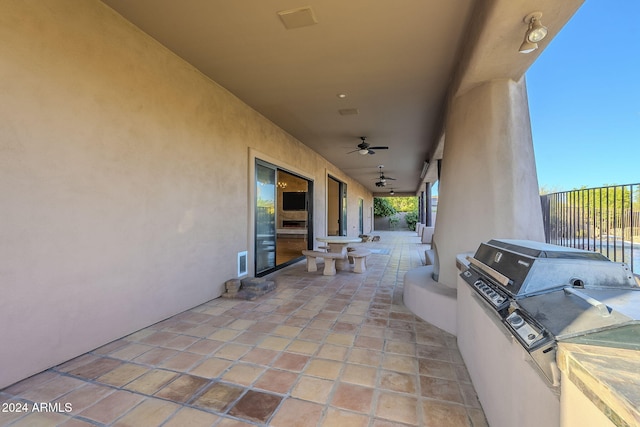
<point x="536" y="32"/>
<point x="425" y="167"/>
<point x="392" y="192"/>
<point x="297" y="18"/>
<point x="348" y="111"/>
<point x="342" y="95"/>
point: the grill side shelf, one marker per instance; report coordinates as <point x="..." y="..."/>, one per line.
<point x="602" y="308"/>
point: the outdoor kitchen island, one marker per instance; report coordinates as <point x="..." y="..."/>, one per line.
<point x="546" y="342"/>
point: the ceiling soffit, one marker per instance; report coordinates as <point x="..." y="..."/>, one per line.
<point x="396" y="62"/>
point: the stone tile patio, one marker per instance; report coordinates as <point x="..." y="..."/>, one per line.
<point x="318" y="351"/>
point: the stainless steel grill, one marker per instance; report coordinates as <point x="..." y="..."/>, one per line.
<point x="545" y="293"/>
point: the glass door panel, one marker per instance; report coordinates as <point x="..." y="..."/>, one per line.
<point x="334" y="213"/>
<point x="265" y="218"/>
<point x="361" y="216"/>
<point x="292" y="229"/>
<point x="343" y="209"/>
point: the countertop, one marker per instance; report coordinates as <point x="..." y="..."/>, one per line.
<point x="609" y="377"/>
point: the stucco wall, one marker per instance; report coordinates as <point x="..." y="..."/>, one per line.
<point x="125" y="180"/>
<point x="489" y="185"/>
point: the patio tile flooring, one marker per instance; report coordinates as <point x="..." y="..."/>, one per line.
<point x="318" y="351"/>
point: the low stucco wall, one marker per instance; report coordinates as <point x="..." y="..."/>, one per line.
<point x="125" y="177"/>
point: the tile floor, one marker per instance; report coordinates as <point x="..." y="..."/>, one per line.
<point x="319" y="351"/>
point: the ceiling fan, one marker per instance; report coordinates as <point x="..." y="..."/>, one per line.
<point x="382" y="180"/>
<point x="365" y="148"/>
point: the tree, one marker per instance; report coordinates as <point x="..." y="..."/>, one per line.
<point x="382" y="207"/>
<point x="404" y="204"/>
<point x="545" y="189"/>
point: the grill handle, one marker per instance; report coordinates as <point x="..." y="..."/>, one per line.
<point x="602" y="308"/>
<point x="495" y="275"/>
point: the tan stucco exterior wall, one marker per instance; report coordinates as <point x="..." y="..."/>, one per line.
<point x="489" y="185"/>
<point x="125" y="179"/>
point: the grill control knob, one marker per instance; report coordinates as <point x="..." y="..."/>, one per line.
<point x="531" y="337"/>
<point x="516" y="321"/>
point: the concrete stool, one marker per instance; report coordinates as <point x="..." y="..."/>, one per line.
<point x="329" y="261"/>
<point x="359" y="260"/>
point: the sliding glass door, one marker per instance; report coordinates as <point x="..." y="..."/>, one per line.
<point x="283" y="217"/>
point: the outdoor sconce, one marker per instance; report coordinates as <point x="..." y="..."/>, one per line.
<point x="535" y="32"/>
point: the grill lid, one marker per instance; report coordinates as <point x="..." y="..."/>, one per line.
<point x="533" y="268"/>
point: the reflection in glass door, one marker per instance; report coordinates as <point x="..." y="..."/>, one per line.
<point x="336" y="207"/>
<point x="265" y="217"/>
<point x="343" y="209"/>
<point x="292" y="217"/>
<point x="361" y="216"/>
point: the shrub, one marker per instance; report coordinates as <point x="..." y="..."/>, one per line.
<point x="412" y="220"/>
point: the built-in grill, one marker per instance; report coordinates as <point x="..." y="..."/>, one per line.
<point x="545" y="293"/>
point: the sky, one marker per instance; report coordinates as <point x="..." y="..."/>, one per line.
<point x="584" y="99"/>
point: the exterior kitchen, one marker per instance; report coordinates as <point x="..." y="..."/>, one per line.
<point x="541" y="326"/>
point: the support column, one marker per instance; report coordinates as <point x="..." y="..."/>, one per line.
<point x="489" y="185"/>
<point x="421" y="208"/>
<point x="428" y="207"/>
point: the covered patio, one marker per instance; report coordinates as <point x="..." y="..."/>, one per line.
<point x="151" y="151"/>
<point x="320" y="350"/>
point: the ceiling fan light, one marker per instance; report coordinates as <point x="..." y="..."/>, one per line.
<point x="364" y="151"/>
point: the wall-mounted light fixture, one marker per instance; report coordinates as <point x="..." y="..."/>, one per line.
<point x="392" y="192"/>
<point x="535" y="32"/>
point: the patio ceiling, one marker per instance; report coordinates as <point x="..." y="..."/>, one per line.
<point x="394" y="60"/>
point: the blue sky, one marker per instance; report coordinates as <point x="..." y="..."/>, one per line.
<point x="584" y="99"/>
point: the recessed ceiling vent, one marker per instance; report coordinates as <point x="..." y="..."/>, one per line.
<point x="348" y="111"/>
<point x="297" y="18"/>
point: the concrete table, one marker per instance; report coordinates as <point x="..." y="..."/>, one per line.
<point x="339" y="244"/>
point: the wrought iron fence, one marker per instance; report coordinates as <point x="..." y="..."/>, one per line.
<point x="603" y="219"/>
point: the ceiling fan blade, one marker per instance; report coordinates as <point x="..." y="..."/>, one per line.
<point x="392" y="179"/>
<point x="371" y="152"/>
<point x="349" y="152"/>
<point x="378" y="148"/>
